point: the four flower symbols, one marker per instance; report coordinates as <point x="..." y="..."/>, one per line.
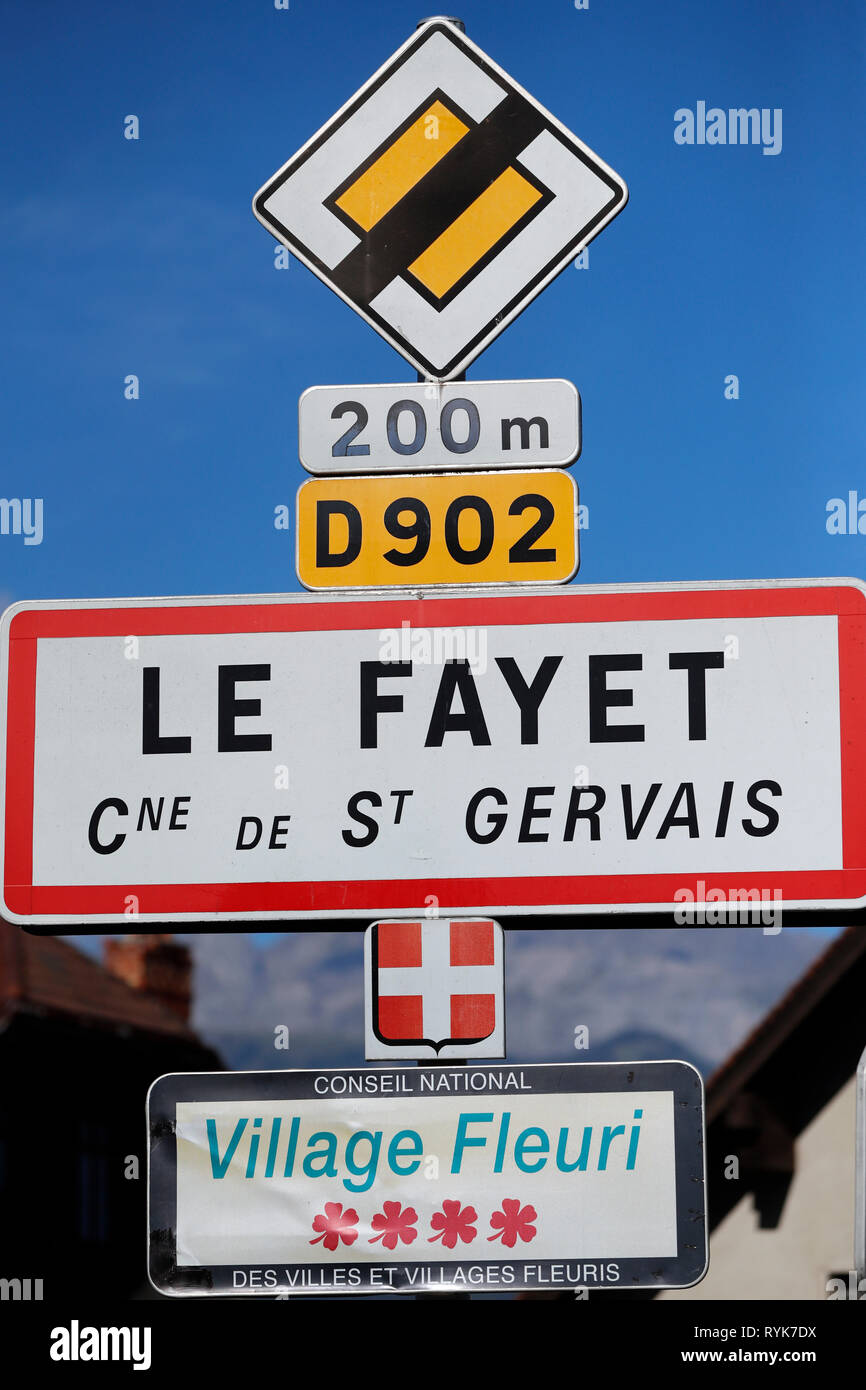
<point x="396" y="1223"/>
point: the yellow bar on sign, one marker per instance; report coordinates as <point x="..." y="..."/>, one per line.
<point x="403" y="164"/>
<point x="377" y="532"/>
<point x="474" y="232"/>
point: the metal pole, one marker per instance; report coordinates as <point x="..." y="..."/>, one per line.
<point x="860" y="1173"/>
<point x="451" y="19"/>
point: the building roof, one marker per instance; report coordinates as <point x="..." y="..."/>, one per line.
<point x="46" y="975"/>
<point x="794" y="1013"/>
<point x="782" y="1076"/>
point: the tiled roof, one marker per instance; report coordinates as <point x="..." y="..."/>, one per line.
<point x="777" y="1026"/>
<point x="44" y="974"/>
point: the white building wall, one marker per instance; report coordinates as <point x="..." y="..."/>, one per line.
<point x="816" y="1233"/>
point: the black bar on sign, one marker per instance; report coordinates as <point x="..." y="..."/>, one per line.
<point x="432" y="205"/>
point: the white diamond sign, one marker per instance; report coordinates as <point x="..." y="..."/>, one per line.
<point x="440" y="200"/>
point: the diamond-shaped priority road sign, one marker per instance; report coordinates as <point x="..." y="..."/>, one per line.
<point x="440" y="200"/>
<point x="434" y="988"/>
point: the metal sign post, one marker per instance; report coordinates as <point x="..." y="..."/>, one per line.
<point x="860" y="1178"/>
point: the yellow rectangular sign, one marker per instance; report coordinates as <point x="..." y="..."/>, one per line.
<point x="445" y="528"/>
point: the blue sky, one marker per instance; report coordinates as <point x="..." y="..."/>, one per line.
<point x="144" y="257"/>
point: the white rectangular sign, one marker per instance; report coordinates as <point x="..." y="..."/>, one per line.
<point x="399" y="1180"/>
<point x="431" y="426"/>
<point x="496" y="753"/>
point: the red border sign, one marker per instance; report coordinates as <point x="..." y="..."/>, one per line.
<point x="25" y="626"/>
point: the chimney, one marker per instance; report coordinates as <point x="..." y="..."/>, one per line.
<point x="156" y="965"/>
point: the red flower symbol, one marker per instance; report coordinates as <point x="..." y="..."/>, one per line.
<point x="514" y="1221"/>
<point x="453" y="1221"/>
<point x="335" y="1225"/>
<point x="393" y="1224"/>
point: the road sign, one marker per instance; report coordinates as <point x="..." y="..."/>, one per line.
<point x="559" y="751"/>
<point x="444" y="528"/>
<point x="434" y="988"/>
<point x="440" y="200"/>
<point x="429" y="426"/>
<point x="490" y="1177"/>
